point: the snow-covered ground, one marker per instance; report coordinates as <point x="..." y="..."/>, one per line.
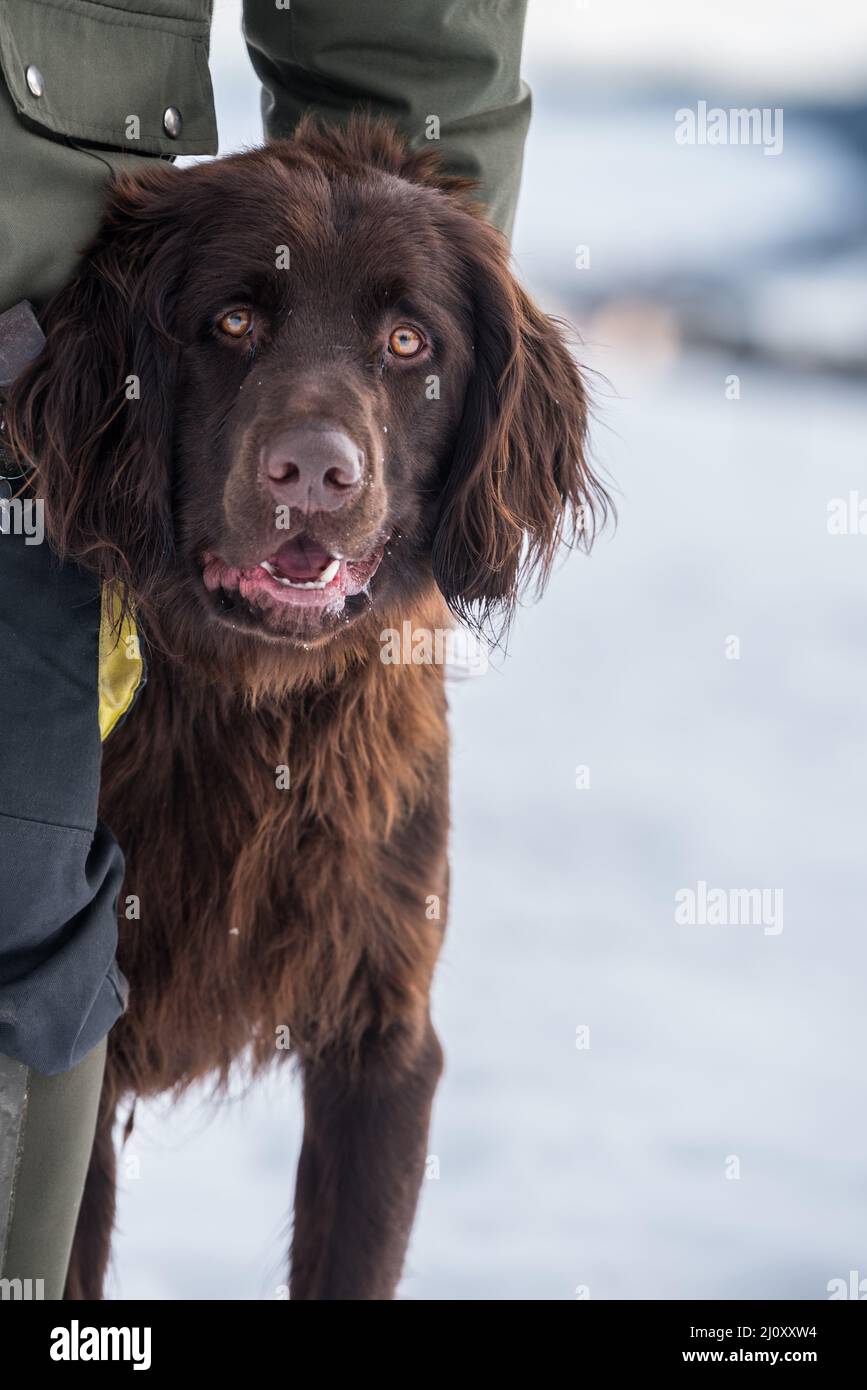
<point x="710" y="1140"/>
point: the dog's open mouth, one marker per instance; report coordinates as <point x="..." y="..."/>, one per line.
<point x="301" y="574"/>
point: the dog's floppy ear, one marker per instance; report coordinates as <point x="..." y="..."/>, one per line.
<point x="518" y="482"/>
<point x="91" y="418"/>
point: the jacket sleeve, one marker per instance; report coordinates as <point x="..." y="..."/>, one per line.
<point x="86" y="91"/>
<point x="443" y="71"/>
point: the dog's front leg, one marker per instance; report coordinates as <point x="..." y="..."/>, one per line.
<point x="361" y="1166"/>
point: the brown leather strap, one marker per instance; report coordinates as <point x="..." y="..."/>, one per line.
<point x="21" y="339"/>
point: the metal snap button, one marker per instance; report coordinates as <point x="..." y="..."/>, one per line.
<point x="35" y="80"/>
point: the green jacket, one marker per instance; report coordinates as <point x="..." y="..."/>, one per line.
<point x="92" y="86"/>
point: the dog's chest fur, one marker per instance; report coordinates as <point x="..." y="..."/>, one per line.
<point x="285" y="867"/>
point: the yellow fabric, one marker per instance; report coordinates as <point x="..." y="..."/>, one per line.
<point x="121" y="667"/>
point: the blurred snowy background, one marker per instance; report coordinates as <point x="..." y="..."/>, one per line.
<point x="605" y="1167"/>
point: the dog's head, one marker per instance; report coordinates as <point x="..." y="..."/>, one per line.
<point x="299" y="383"/>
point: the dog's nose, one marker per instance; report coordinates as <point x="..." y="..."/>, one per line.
<point x="317" y="470"/>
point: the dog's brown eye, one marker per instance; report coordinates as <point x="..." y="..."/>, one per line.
<point x="236" y="324"/>
<point x="405" y="342"/>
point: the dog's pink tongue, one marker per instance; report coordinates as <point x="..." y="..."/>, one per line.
<point x="301" y="559"/>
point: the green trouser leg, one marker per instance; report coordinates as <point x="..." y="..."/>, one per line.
<point x="47" y="1124"/>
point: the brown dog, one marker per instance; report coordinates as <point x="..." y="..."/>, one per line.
<point x="347" y="414"/>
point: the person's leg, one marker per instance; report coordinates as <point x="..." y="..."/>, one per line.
<point x="47" y="1125"/>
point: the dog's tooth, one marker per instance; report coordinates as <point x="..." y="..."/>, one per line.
<point x="325" y="577"/>
<point x="301" y="584"/>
